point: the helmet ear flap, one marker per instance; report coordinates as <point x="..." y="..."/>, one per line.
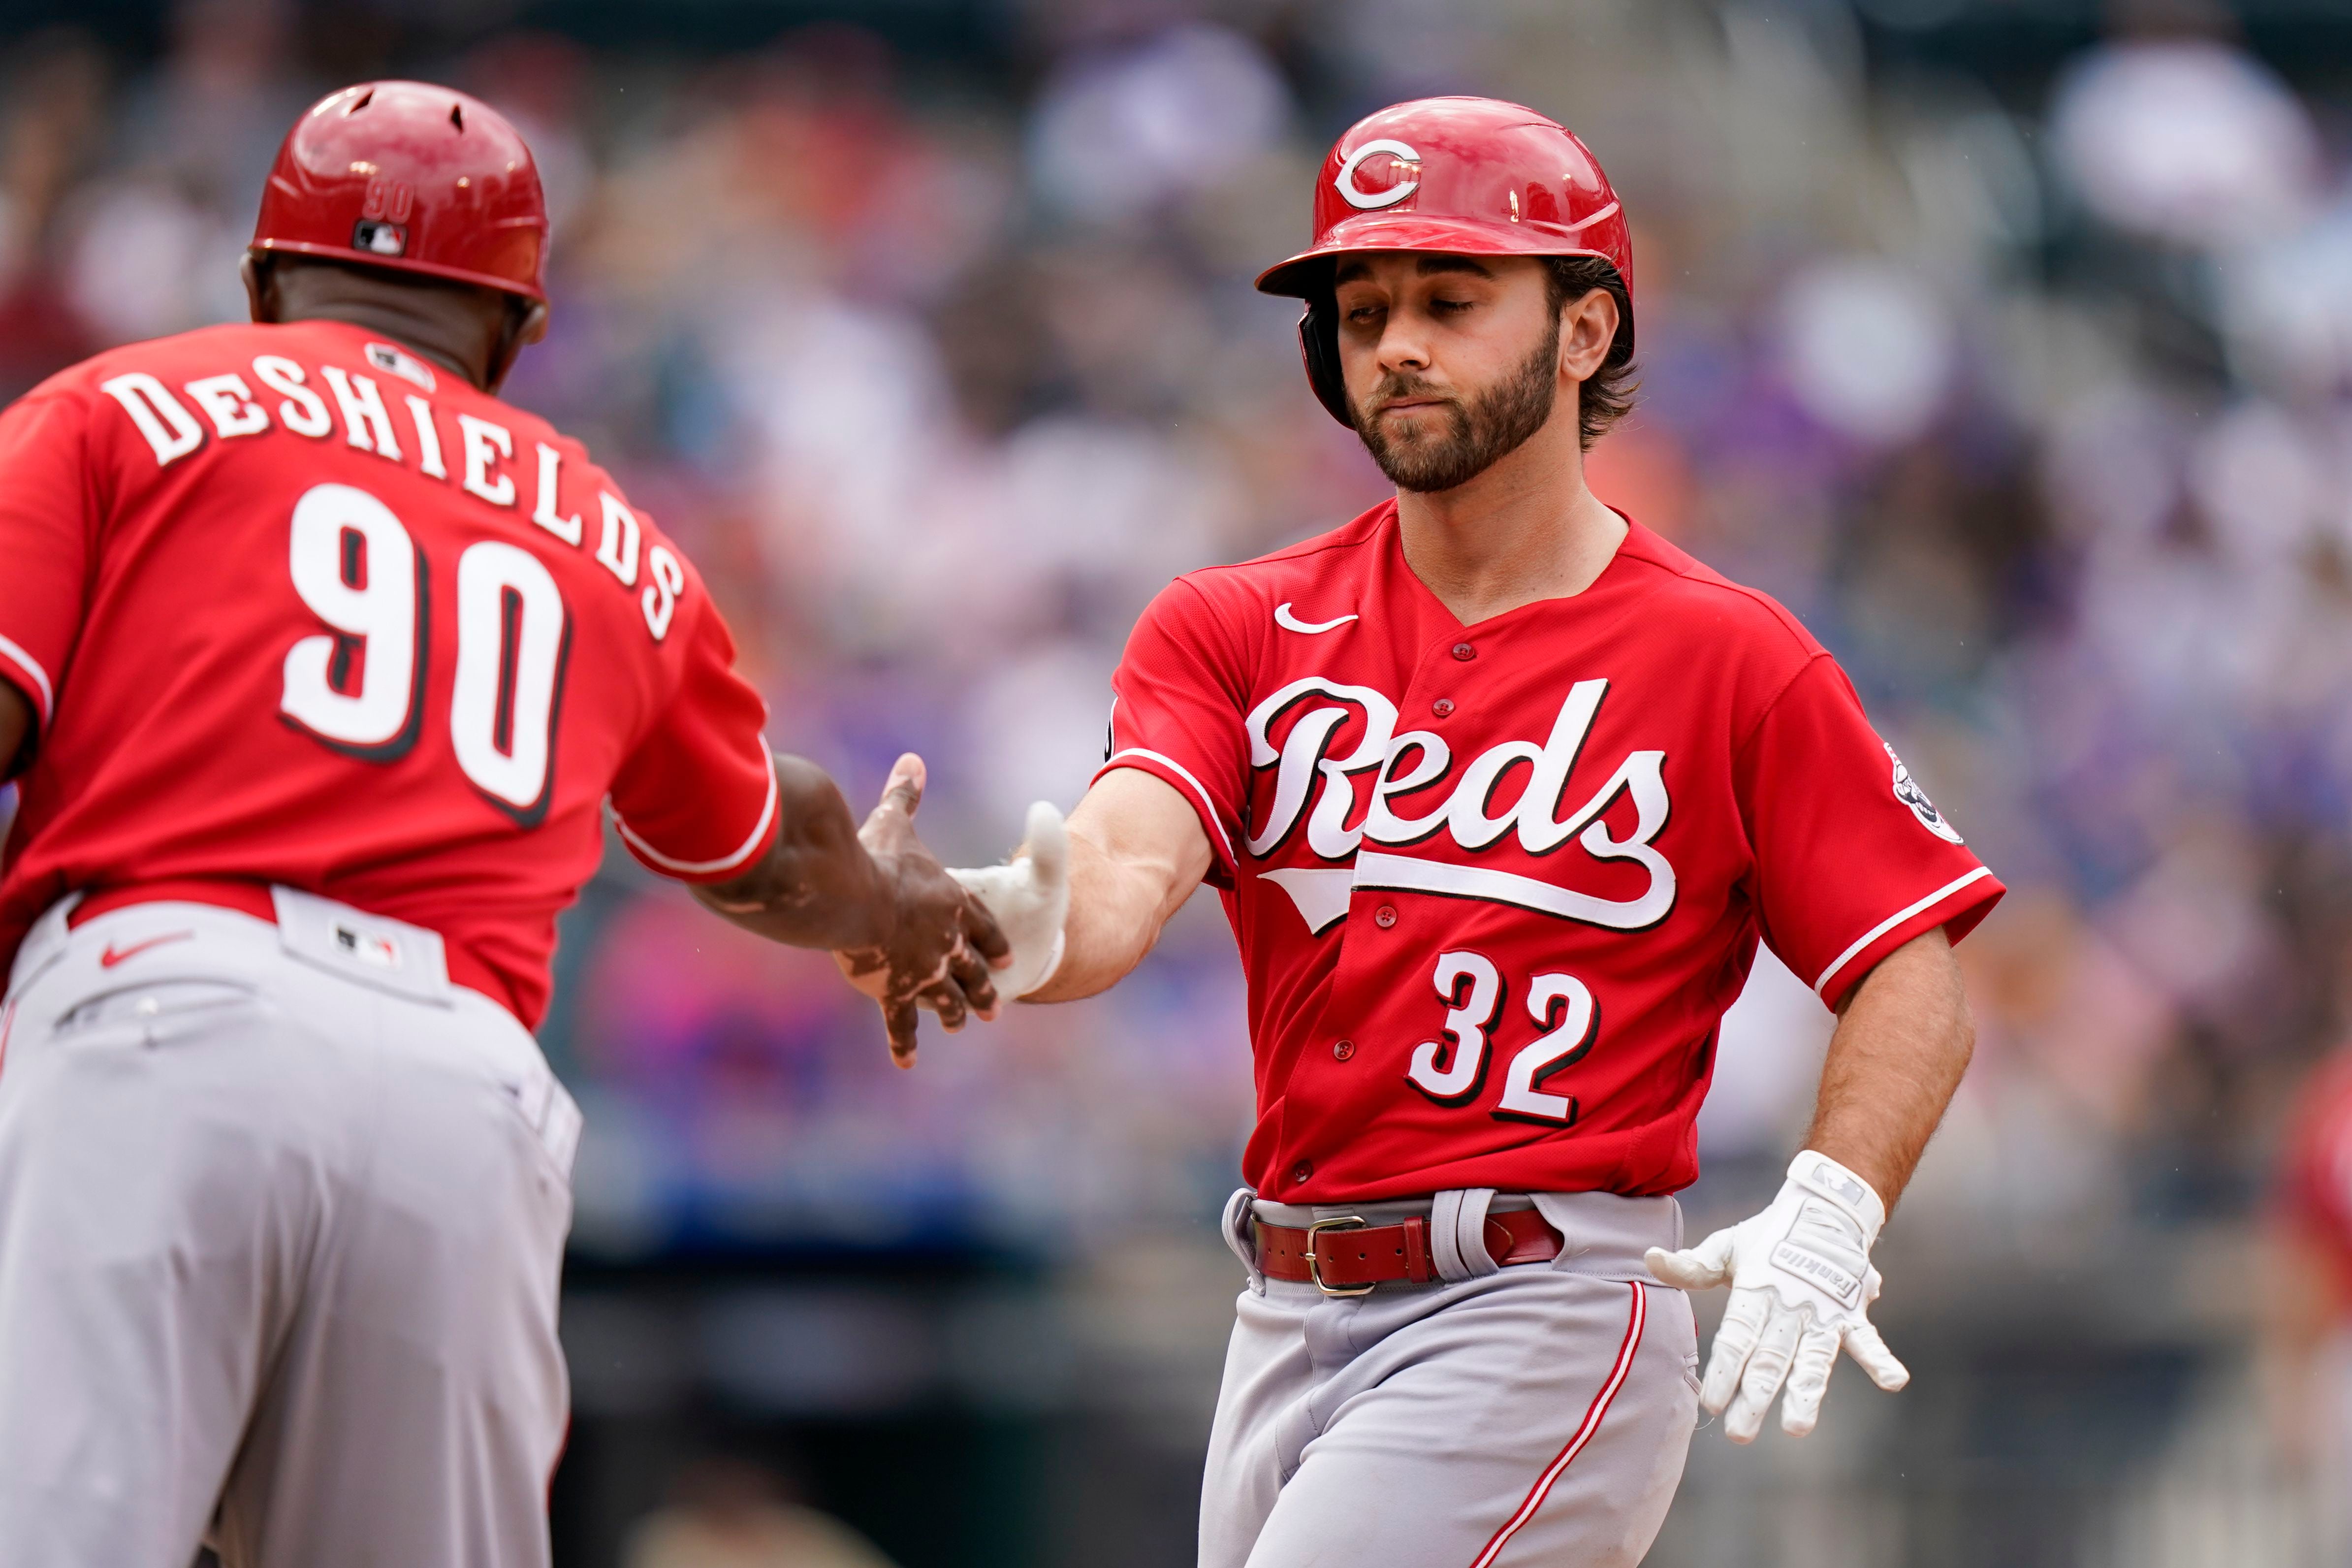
<point x="1318" y="350"/>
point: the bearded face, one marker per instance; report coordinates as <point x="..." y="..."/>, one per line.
<point x="1451" y="442"/>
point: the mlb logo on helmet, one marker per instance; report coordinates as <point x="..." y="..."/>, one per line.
<point x="379" y="238"/>
<point x="412" y="177"/>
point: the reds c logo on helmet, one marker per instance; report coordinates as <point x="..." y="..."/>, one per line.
<point x="1468" y="176"/>
<point x="1403" y="172"/>
<point x="413" y="177"/>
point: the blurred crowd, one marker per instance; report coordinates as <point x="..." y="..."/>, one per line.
<point x="2027" y="391"/>
<point x="2008" y="342"/>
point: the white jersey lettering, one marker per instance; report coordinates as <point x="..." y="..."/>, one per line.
<point x="170" y="429"/>
<point x="228" y="403"/>
<point x="485" y="444"/>
<point x="365" y="424"/>
<point x="1319" y="788"/>
<point x="542" y="510"/>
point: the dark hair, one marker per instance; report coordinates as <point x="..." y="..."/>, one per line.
<point x="1608" y="396"/>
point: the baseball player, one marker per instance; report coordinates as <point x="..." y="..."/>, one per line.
<point x="317" y="666"/>
<point x="1501" y="789"/>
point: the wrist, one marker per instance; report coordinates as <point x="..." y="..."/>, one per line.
<point x="1834" y="1184"/>
<point x="1052" y="965"/>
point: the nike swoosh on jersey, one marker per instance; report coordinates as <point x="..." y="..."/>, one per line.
<point x="114" y="955"/>
<point x="1290" y="623"/>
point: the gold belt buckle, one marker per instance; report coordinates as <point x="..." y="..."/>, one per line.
<point x="1315" y="1265"/>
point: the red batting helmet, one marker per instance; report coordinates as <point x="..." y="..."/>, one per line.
<point x="413" y="177"/>
<point x="1469" y="176"/>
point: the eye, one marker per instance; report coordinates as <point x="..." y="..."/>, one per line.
<point x="1449" y="307"/>
<point x="1360" y="314"/>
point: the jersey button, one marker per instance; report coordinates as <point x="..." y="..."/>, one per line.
<point x="1463" y="650"/>
<point x="1301" y="1171"/>
<point x="1384" y="917"/>
<point x="1343" y="1049"/>
<point x="1442" y="707"/>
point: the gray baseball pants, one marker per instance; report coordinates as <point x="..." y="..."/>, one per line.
<point x="1497" y="1418"/>
<point x="281" y="1219"/>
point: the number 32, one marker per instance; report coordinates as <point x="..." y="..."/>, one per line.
<point x="1472" y="989"/>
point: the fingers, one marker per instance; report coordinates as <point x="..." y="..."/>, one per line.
<point x="1869" y="1352"/>
<point x="948" y="1001"/>
<point x="1743" y="1321"/>
<point x="1047" y="842"/>
<point x="1681" y="1270"/>
<point x="1700" y="1267"/>
<point x="890" y="826"/>
<point x="970" y="973"/>
<point x="1768" y="1368"/>
<point x="1809" y="1379"/>
<point x="981" y="932"/>
<point x="899" y="1017"/>
<point x="904" y="790"/>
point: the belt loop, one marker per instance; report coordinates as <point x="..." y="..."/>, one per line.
<point x="1240" y="1227"/>
<point x="1419" y="1267"/>
<point x="43" y="944"/>
<point x="1457" y="1234"/>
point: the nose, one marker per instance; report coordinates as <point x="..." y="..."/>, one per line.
<point x="1403" y="348"/>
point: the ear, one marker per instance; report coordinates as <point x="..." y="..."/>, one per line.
<point x="1318" y="350"/>
<point x="1588" y="326"/>
<point x="523" y="328"/>
<point x="259" y="298"/>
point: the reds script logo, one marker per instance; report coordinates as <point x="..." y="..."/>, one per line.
<point x="1319" y="789"/>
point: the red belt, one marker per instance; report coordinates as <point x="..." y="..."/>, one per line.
<point x="1346" y="1257"/>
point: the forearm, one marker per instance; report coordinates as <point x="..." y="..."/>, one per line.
<point x="1902" y="1043"/>
<point x="1115" y="919"/>
<point x="1136" y="854"/>
<point x="816" y="886"/>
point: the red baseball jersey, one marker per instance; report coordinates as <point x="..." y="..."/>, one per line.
<point x="293" y="605"/>
<point x="1495" y="885"/>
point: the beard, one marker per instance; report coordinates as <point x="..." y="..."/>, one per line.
<point x="1478" y="434"/>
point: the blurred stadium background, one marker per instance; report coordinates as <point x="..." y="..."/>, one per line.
<point x="2008" y="342"/>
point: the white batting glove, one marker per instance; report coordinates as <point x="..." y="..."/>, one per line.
<point x="1801" y="1285"/>
<point x="1029" y="900"/>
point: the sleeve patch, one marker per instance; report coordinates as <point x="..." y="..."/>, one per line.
<point x="1907" y="790"/>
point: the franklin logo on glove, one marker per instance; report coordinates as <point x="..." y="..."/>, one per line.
<point x="1807" y="1254"/>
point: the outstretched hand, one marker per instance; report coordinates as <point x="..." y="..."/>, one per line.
<point x="1030" y="899"/>
<point x="1802" y="1285"/>
<point x="938" y="945"/>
